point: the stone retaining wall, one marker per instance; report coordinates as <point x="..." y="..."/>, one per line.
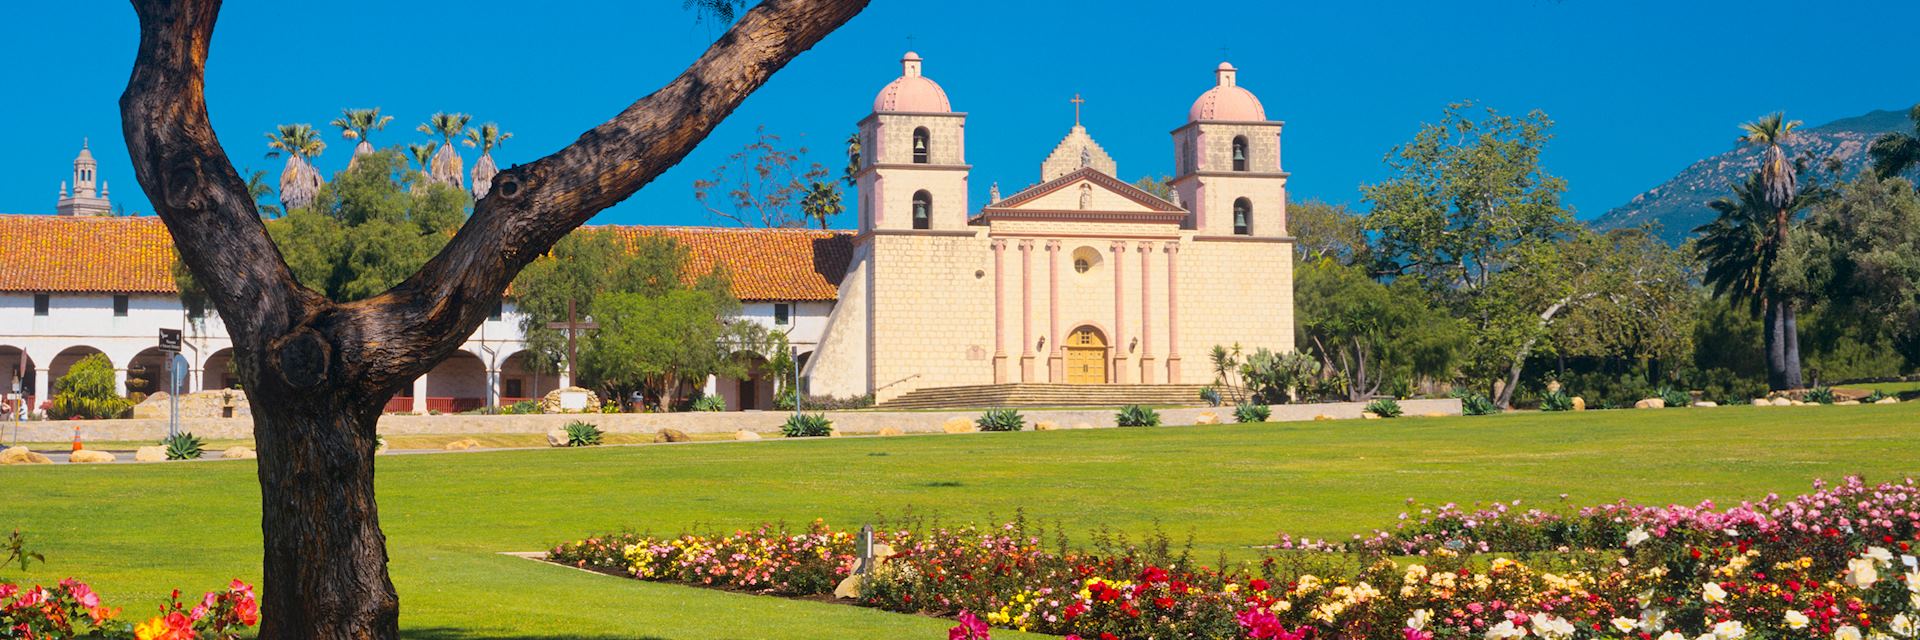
<point x="852" y="422"/>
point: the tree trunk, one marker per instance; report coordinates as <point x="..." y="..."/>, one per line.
<point x="1790" y="352"/>
<point x="326" y="560"/>
<point x="317" y="372"/>
<point x="1776" y="348"/>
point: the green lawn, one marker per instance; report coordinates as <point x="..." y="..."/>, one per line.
<point x="1893" y="388"/>
<point x="139" y="530"/>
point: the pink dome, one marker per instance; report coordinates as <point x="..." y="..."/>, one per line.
<point x="912" y="92"/>
<point x="1226" y="101"/>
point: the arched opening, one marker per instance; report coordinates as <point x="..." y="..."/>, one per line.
<point x="1085" y="259"/>
<point x="16" y="380"/>
<point x="922" y="210"/>
<point x="217" y="372"/>
<point x="1239" y="153"/>
<point x="1242" y="217"/>
<point x="754" y="390"/>
<point x="458" y="383"/>
<point x="64" y="362"/>
<point x="147" y="372"/>
<point x="521" y="380"/>
<point x="1086" y="356"/>
<point x="921" y="153"/>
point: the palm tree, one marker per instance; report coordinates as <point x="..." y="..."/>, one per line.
<point x="357" y="124"/>
<point x="1895" y="152"/>
<point x="299" y="181"/>
<point x="446" y="161"/>
<point x="1778" y="188"/>
<point x="822" y="201"/>
<point x="486" y="138"/>
<point x="260" y="189"/>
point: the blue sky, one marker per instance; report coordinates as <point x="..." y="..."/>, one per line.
<point x="1639" y="89"/>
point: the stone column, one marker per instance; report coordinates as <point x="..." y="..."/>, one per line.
<point x="1173" y="311"/>
<point x="1056" y="362"/>
<point x="42" y="380"/>
<point x="420" y="394"/>
<point x="1026" y="311"/>
<point x="1119" y="374"/>
<point x="712" y="388"/>
<point x="120" y="381"/>
<point x="1146" y="313"/>
<point x="493" y="387"/>
<point x="999" y="311"/>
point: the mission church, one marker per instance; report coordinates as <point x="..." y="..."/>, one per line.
<point x="1081" y="278"/>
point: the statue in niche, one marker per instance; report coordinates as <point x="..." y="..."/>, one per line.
<point x="1086" y="157"/>
<point x="1086" y="196"/>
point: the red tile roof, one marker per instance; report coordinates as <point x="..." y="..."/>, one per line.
<point x="60" y="254"/>
<point x="85" y="254"/>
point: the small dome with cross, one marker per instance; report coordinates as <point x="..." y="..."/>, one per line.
<point x="1226" y="101"/>
<point x="912" y="92"/>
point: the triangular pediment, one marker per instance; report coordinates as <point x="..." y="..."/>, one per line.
<point x="1084" y="191"/>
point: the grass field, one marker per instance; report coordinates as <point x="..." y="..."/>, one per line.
<point x="137" y="531"/>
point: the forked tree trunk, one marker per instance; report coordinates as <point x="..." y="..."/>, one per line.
<point x="317" y="372"/>
<point x="1776" y="347"/>
<point x="1790" y="353"/>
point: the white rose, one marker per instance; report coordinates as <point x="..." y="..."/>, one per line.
<point x="1903" y="625"/>
<point x="1625" y="625"/>
<point x="1419" y="619"/>
<point x="1796" y="620"/>
<point x="1637" y="536"/>
<point x="1730" y="630"/>
<point x="1862" y="573"/>
<point x="1879" y="554"/>
<point x="1671" y="635"/>
<point x="1848" y="632"/>
<point x="1711" y="592"/>
<point x="1505" y="631"/>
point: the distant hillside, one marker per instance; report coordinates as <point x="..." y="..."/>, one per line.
<point x="1680" y="204"/>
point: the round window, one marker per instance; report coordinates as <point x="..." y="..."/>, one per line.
<point x="1085" y="259"/>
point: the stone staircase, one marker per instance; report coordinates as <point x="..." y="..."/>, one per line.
<point x="1046" y="395"/>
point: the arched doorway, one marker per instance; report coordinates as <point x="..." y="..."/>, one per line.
<point x="16" y="378"/>
<point x="752" y="392"/>
<point x="1086" y="356"/>
<point x="458" y="383"/>
<point x="520" y="380"/>
<point x="217" y="371"/>
<point x="147" y="372"/>
<point x="64" y="362"/>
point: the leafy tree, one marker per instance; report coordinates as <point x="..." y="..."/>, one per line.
<point x="1894" y="152"/>
<point x="1161" y="187"/>
<point x="1644" y="305"/>
<point x="1860" y="249"/>
<point x="317" y="371"/>
<point x="88" y="391"/>
<point x="762" y="184"/>
<point x="850" y="174"/>
<point x="822" y="202"/>
<point x="1740" y="251"/>
<point x="1367" y="332"/>
<point x="446" y="160"/>
<point x="485" y="138"/>
<point x="299" y="181"/>
<point x="1324" y="231"/>
<point x="368" y="229"/>
<point x="359" y="124"/>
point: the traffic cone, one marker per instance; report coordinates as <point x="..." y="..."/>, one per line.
<point x="76" y="437"/>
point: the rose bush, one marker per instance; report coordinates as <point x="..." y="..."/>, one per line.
<point x="71" y="609"/>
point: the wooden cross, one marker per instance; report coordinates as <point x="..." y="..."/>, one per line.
<point x="1076" y="108"/>
<point x="572" y="326"/>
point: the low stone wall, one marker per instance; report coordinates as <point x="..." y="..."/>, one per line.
<point x="852" y="422"/>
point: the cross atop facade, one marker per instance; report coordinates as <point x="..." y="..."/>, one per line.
<point x="1076" y="108"/>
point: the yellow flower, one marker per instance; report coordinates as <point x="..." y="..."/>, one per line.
<point x="151" y="629"/>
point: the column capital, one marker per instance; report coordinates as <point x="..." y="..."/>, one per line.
<point x="1026" y="245"/>
<point x="999" y="244"/>
<point x="1145" y="246"/>
<point x="1117" y="246"/>
<point x="1170" y="247"/>
<point x="1053" y="245"/>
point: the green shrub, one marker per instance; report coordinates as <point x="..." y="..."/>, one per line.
<point x="1876" y="396"/>
<point x="1134" y="415"/>
<point x="1556" y="401"/>
<point x="710" y="403"/>
<point x="522" y="407"/>
<point x="1674" y="397"/>
<point x="1272" y="377"/>
<point x="807" y="425"/>
<point x="1246" y="412"/>
<point x="1001" y="420"/>
<point x="1210" y="395"/>
<point x="184" y="446"/>
<point x="784" y="401"/>
<point x="88" y="391"/>
<point x="584" y="434"/>
<point x="1821" y="395"/>
<point x="1385" y="408"/>
<point x="1474" y="403"/>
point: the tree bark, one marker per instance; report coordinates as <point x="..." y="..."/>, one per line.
<point x="318" y="372"/>
<point x="1790" y="353"/>
<point x="1776" y="347"/>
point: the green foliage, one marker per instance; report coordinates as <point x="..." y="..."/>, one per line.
<point x="184" y="446"/>
<point x="1246" y="412"/>
<point x="521" y="407"/>
<point x="1328" y="232"/>
<point x="1210" y="395"/>
<point x="583" y="434"/>
<point x="1819" y="395"/>
<point x="1556" y="401"/>
<point x="710" y="403"/>
<point x="370" y="228"/>
<point x="1876" y="396"/>
<point x="1674" y="397"/>
<point x="766" y="184"/>
<point x="1001" y="420"/>
<point x="88" y="391"/>
<point x="1726" y="387"/>
<point x="1134" y="415"/>
<point x="807" y="425"/>
<point x="1370" y="333"/>
<point x="1858" y="253"/>
<point x="1385" y="408"/>
<point x="1272" y="378"/>
<point x="19" y="553"/>
<point x="1474" y="403"/>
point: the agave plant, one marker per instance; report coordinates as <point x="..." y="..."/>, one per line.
<point x="359" y="124"/>
<point x="1385" y="408"/>
<point x="583" y="434"/>
<point x="1675" y="397"/>
<point x="184" y="446"/>
<point x="1556" y="401"/>
<point x="807" y="425"/>
<point x="1476" y="404"/>
<point x="1134" y="415"/>
<point x="299" y="181"/>
<point x="446" y="162"/>
<point x="1247" y="412"/>
<point x="1819" y="395"/>
<point x="710" y="403"/>
<point x="1001" y="420"/>
<point x="485" y="138"/>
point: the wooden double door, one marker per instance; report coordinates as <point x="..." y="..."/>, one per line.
<point x="1086" y="357"/>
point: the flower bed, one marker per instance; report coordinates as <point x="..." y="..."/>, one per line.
<point x="1833" y="564"/>
<point x="71" y="609"/>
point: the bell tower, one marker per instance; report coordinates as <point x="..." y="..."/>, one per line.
<point x="1227" y="163"/>
<point x="86" y="200"/>
<point x="913" y="167"/>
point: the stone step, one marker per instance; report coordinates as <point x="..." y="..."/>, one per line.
<point x="1046" y="395"/>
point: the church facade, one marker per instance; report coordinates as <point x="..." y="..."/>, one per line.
<point x="1081" y="278"/>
